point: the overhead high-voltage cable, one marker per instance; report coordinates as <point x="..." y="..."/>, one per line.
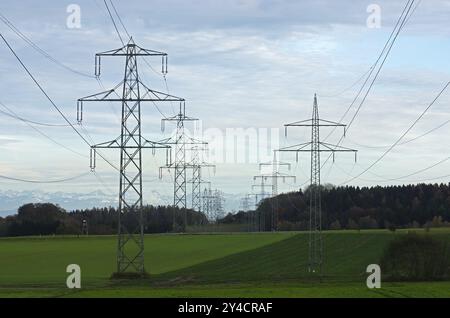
<point x="51" y="101"/>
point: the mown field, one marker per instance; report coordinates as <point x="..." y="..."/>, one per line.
<point x="206" y="265"/>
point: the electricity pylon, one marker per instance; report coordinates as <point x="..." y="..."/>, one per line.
<point x="207" y="200"/>
<point x="130" y="248"/>
<point x="218" y="203"/>
<point x="274" y="175"/>
<point x="197" y="165"/>
<point x="253" y="215"/>
<point x="180" y="165"/>
<point x="315" y="147"/>
<point x="259" y="197"/>
<point x="245" y="207"/>
<point x="245" y="204"/>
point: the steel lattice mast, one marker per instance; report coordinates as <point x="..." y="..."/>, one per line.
<point x="274" y="176"/>
<point x="196" y="180"/>
<point x="130" y="248"/>
<point x="245" y="207"/>
<point x="259" y="197"/>
<point x="207" y="200"/>
<point x="252" y="215"/>
<point x="181" y="143"/>
<point x="315" y="147"/>
<point x="197" y="165"/>
<point x="218" y="202"/>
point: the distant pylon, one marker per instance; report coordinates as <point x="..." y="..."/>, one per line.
<point x="180" y="143"/>
<point x="207" y="201"/>
<point x="274" y="175"/>
<point x="259" y="197"/>
<point x="246" y="207"/>
<point x="198" y="164"/>
<point x="315" y="258"/>
<point x="131" y="92"/>
<point x="218" y="202"/>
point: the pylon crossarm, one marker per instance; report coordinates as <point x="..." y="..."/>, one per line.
<point x="208" y="165"/>
<point x="264" y="176"/>
<point x="115" y="144"/>
<point x="277" y="163"/>
<point x="295" y="148"/>
<point x="103" y="96"/>
<point x="123" y="51"/>
<point x="156" y="96"/>
<point x="283" y="175"/>
<point x="331" y="123"/>
<point x="261" y="186"/>
<point x="196" y="147"/>
<point x="147" y="144"/>
<point x="337" y="148"/>
<point x="148" y="96"/>
<point x="179" y="117"/>
<point x="298" y="123"/>
<point x="197" y="141"/>
<point x="131" y="49"/>
<point x="188" y="141"/>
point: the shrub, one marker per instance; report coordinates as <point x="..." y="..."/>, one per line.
<point x="414" y="257"/>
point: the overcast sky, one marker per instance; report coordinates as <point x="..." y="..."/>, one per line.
<point x="239" y="64"/>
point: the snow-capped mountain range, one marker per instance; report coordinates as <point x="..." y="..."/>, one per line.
<point x="10" y="200"/>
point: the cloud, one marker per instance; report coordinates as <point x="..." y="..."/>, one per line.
<point x="239" y="63"/>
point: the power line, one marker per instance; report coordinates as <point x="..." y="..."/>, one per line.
<point x="380" y="67"/>
<point x="50" y="100"/>
<point x="48" y="56"/>
<point x="385" y="180"/>
<point x="372" y="69"/>
<point x="41" y="51"/>
<point x="114" y="22"/>
<point x="14" y="115"/>
<point x="386" y="50"/>
<point x="402" y="136"/>
<point x="351" y="86"/>
<point x="44" y="182"/>
<point x="405" y="142"/>
<point x="389" y="43"/>
<point x="120" y="19"/>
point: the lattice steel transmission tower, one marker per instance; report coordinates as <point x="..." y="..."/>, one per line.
<point x="181" y="143"/>
<point x="315" y="147"/>
<point x="131" y="92"/>
<point x="253" y="216"/>
<point x="217" y="204"/>
<point x="198" y="164"/>
<point x="245" y="207"/>
<point x="245" y="204"/>
<point x="207" y="198"/>
<point x="259" y="197"/>
<point x="274" y="175"/>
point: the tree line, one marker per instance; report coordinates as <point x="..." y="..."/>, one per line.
<point x="407" y="206"/>
<point x="49" y="219"/>
<point x="422" y="205"/>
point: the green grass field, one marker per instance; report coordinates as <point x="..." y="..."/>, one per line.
<point x="206" y="265"/>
